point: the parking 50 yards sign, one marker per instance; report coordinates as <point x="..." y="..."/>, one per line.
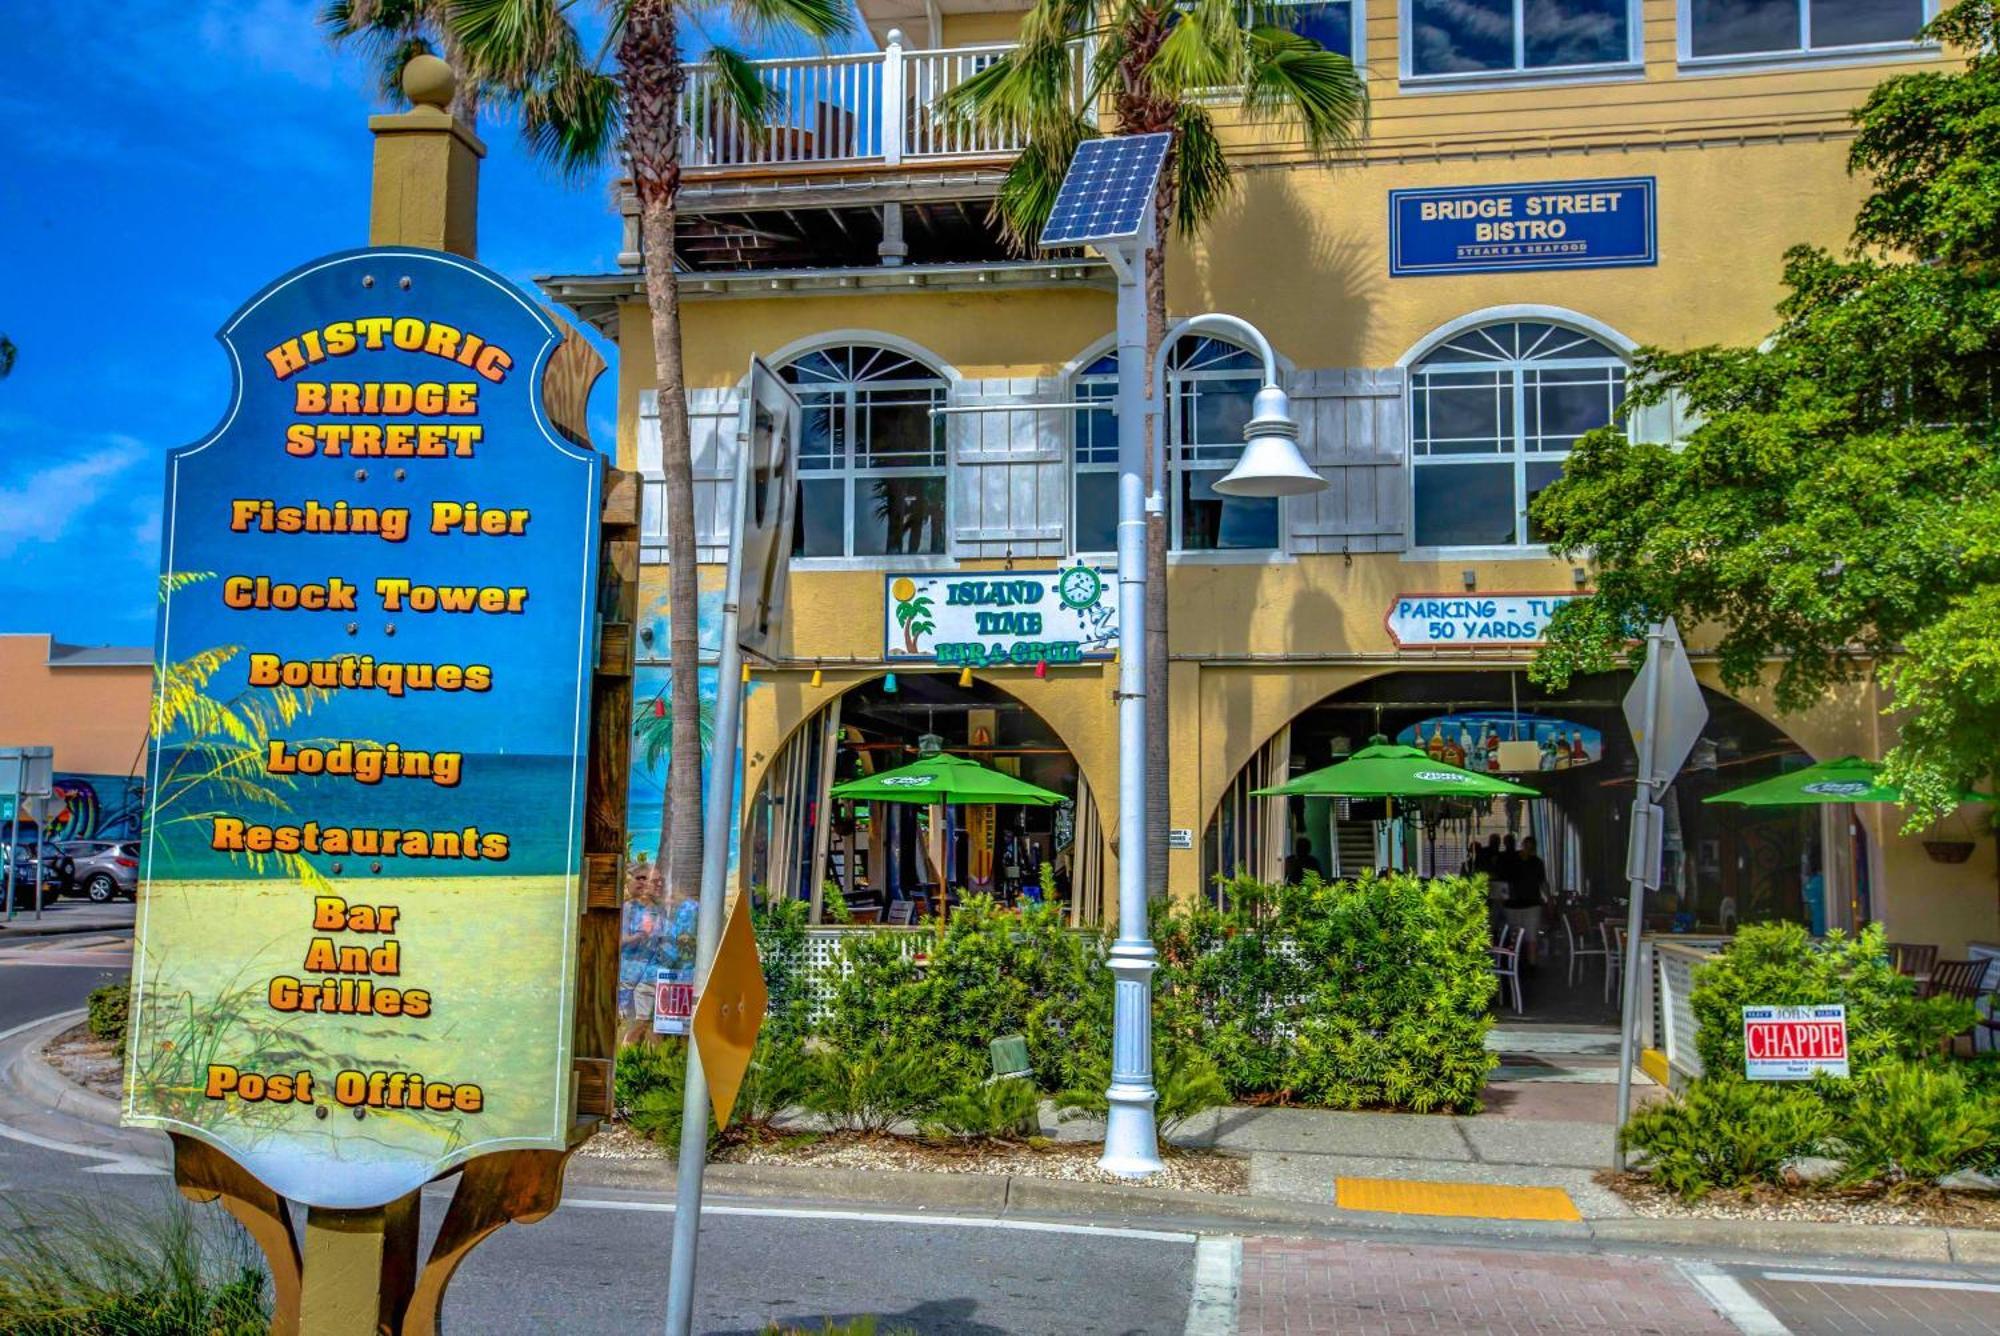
<point x="356" y="945"/>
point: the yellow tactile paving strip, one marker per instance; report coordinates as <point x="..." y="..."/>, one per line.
<point x="1490" y="1201"/>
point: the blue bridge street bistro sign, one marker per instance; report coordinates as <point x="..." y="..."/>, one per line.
<point x="1605" y="224"/>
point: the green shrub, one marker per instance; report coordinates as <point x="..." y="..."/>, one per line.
<point x="778" y="1079"/>
<point x="648" y="1083"/>
<point x="989" y="972"/>
<point x="781" y="943"/>
<point x="1911" y="1124"/>
<point x="1778" y="964"/>
<point x="1003" y="1110"/>
<point x="1394" y="1010"/>
<point x="1726" y="1133"/>
<point x="109" y="1008"/>
<point x="874" y="1085"/>
<point x="73" y="1269"/>
<point x="1185" y="1080"/>
<point x="1225" y="985"/>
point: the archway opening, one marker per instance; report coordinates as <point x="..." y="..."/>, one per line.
<point x="1724" y="865"/>
<point x="892" y="862"/>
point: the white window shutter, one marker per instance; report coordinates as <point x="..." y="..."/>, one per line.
<point x="1008" y="470"/>
<point x="1351" y="428"/>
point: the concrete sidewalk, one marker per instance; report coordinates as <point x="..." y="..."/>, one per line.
<point x="64" y="917"/>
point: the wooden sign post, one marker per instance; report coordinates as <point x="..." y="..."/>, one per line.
<point x="378" y="940"/>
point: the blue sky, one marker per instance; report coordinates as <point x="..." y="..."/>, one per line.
<point x="162" y="161"/>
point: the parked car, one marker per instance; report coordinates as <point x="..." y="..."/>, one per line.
<point x="103" y="870"/>
<point x="57" y="870"/>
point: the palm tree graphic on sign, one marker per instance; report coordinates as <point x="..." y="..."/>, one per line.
<point x="913" y="612"/>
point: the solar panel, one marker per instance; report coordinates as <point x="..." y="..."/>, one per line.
<point x="1105" y="193"/>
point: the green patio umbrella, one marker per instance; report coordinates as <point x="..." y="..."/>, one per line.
<point x="1847" y="780"/>
<point x="1385" y="769"/>
<point x="945" y="779"/>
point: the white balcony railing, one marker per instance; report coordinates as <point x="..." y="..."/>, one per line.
<point x="880" y="106"/>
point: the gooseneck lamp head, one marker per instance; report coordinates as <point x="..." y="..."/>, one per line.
<point x="1271" y="464"/>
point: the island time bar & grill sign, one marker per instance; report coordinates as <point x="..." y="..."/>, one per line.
<point x="355" y="964"/>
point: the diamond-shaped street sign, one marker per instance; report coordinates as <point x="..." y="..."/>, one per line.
<point x="1680" y="712"/>
<point x="730" y="1010"/>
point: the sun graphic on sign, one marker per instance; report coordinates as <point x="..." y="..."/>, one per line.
<point x="913" y="612"/>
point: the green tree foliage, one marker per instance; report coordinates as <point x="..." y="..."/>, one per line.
<point x="1837" y="508"/>
<point x="1779" y="965"/>
<point x="8" y="352"/>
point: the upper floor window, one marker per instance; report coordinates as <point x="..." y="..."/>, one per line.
<point x="1328" y="22"/>
<point x="1493" y="413"/>
<point x="1721" y="28"/>
<point x="871" y="456"/>
<point x="1211" y="386"/>
<point x="1499" y="37"/>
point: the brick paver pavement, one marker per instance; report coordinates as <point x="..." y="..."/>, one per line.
<point x="1852" y="1305"/>
<point x="1292" y="1287"/>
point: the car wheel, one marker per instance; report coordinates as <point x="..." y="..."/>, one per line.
<point x="102" y="889"/>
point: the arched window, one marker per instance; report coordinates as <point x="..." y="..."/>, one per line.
<point x="1494" y="411"/>
<point x="871" y="457"/>
<point x="1211" y="384"/>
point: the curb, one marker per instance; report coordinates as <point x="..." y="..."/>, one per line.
<point x="1001" y="1194"/>
<point x="53" y="1090"/>
<point x="1017" y="1195"/>
<point x="32" y="929"/>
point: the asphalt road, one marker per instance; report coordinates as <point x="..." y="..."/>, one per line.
<point x="598" y="1265"/>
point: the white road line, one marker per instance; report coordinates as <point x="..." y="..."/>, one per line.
<point x="894" y="1218"/>
<point x="1885" y="1282"/>
<point x="1734" y="1302"/>
<point x="1218" y="1265"/>
<point x="25" y="1026"/>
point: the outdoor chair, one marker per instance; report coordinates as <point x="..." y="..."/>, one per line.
<point x="1957" y="978"/>
<point x="1613" y="937"/>
<point x="1507" y="963"/>
<point x="1577" y="934"/>
<point x="1964" y="980"/>
<point x="903" y="913"/>
<point x="1913" y="959"/>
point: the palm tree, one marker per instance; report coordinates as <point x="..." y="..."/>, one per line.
<point x="390" y="32"/>
<point x="577" y="110"/>
<point x="7" y="352"/>
<point x="1160" y="66"/>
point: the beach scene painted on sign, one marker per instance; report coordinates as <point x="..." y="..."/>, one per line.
<point x="656" y="934"/>
<point x="355" y="954"/>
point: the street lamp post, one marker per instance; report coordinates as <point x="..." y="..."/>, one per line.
<point x="1270" y="466"/>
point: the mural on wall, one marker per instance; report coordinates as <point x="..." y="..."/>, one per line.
<point x="656" y="935"/>
<point x="1472" y="739"/>
<point x="98" y="807"/>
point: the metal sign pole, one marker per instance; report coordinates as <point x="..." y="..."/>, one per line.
<point x="1635" y="914"/>
<point x="14" y="830"/>
<point x="718" y="816"/>
<point x="41" y="820"/>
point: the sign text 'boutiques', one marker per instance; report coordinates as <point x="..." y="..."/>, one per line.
<point x="993" y="618"/>
<point x="1539" y="225"/>
<point x="1472" y="621"/>
<point x="355" y="965"/>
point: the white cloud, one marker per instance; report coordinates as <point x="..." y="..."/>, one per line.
<point x="41" y="505"/>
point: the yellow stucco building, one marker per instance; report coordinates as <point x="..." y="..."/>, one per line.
<point x="1439" y="367"/>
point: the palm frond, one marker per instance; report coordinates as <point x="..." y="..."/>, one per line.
<point x="1204" y="51"/>
<point x="1296" y="79"/>
<point x="575" y="120"/>
<point x="749" y="98"/>
<point x="1027" y="193"/>
<point x="1202" y="179"/>
<point x="515" y="43"/>
<point x="763" y="19"/>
